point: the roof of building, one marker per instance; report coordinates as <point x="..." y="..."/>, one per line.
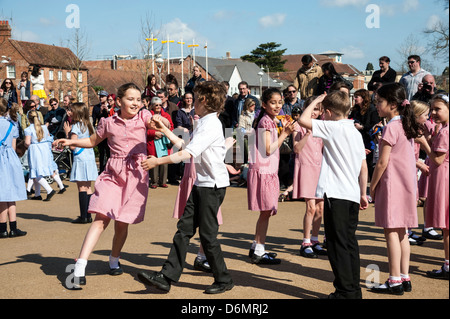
<point x="47" y="55"/>
<point x="222" y="69"/>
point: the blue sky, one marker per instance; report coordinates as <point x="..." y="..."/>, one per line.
<point x="113" y="27"/>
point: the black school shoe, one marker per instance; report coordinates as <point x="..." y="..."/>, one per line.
<point x="307" y="254"/>
<point x="202" y="265"/>
<point x="386" y="289"/>
<point x="265" y="260"/>
<point x="49" y="196"/>
<point x="442" y="274"/>
<point x="218" y="288"/>
<point x="116" y="271"/>
<point x="156" y="279"/>
<point x="426" y="234"/>
<point x="17" y="233"/>
<point x="252" y="251"/>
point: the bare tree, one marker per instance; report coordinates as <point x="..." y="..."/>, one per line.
<point x="147" y="34"/>
<point x="411" y="45"/>
<point x="438" y="36"/>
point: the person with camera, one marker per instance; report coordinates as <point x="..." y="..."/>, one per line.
<point x="427" y="89"/>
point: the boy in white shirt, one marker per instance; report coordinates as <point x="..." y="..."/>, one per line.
<point x="207" y="150"/>
<point x="342" y="184"/>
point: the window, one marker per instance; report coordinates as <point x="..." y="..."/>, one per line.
<point x="80" y="96"/>
<point x="11" y="71"/>
<point x="68" y="76"/>
<point x="80" y="77"/>
<point x="50" y="75"/>
<point x="61" y="95"/>
<point x="59" y="75"/>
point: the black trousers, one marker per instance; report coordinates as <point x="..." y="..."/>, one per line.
<point x="201" y="211"/>
<point x="341" y="221"/>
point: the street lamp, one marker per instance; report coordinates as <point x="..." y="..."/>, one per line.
<point x="260" y="73"/>
<point x="153" y="54"/>
<point x="181" y="43"/>
<point x="168" y="52"/>
<point x="159" y="63"/>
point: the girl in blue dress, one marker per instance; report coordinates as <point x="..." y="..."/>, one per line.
<point x="40" y="157"/>
<point x="84" y="168"/>
<point x="11" y="172"/>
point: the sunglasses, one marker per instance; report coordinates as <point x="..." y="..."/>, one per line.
<point x="292" y="91"/>
<point x="7" y="82"/>
<point x="411" y="62"/>
<point x="53" y="104"/>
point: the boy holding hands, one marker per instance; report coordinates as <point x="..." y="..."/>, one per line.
<point x="342" y="184"/>
<point x="207" y="150"/>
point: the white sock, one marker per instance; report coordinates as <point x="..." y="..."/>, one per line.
<point x="113" y="262"/>
<point x="260" y="249"/>
<point x="201" y="256"/>
<point x="44" y="184"/>
<point x="254" y="244"/>
<point x="314" y="238"/>
<point x="425" y="229"/>
<point x="58" y="181"/>
<point x="446" y="267"/>
<point x="405" y="277"/>
<point x="395" y="281"/>
<point x="306" y="240"/>
<point x="80" y="267"/>
<point x="30" y="185"/>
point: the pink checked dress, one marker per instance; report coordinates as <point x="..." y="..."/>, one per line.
<point x="186" y="184"/>
<point x="121" y="190"/>
<point x="438" y="189"/>
<point x="263" y="186"/>
<point x="395" y="195"/>
<point x="307" y="165"/>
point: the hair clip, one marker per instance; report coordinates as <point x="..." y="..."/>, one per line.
<point x="405" y="103"/>
<point x="444" y="97"/>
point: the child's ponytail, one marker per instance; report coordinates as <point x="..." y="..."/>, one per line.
<point x="394" y="93"/>
<point x="33" y="118"/>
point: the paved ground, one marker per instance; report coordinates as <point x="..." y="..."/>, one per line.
<point x="35" y="266"/>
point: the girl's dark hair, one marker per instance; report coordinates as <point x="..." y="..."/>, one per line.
<point x="36" y="71"/>
<point x="266" y="96"/>
<point x="12" y="87"/>
<point x="366" y="99"/>
<point x="12" y="112"/>
<point x="329" y="67"/>
<point x="394" y="93"/>
<point x="122" y="89"/>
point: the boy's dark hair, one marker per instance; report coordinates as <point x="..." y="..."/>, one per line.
<point x="214" y="94"/>
<point x="338" y="102"/>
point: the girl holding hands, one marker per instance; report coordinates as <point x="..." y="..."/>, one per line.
<point x="308" y="161"/>
<point x="262" y="180"/>
<point x="122" y="188"/>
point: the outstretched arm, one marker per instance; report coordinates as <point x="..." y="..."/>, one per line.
<point x="89" y="142"/>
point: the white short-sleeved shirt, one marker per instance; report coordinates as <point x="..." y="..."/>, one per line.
<point x="207" y="148"/>
<point x="343" y="153"/>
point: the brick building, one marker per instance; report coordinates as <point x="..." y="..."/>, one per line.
<point x="64" y="73"/>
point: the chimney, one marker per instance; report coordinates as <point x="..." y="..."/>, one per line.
<point x="228" y="55"/>
<point x="5" y="30"/>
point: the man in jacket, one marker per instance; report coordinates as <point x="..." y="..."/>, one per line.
<point x="307" y="77"/>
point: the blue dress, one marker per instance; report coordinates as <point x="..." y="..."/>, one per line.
<point x="40" y="156"/>
<point x="84" y="167"/>
<point x="11" y="172"/>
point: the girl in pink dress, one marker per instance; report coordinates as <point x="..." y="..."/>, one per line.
<point x="437" y="204"/>
<point x="262" y="179"/>
<point x="122" y="188"/>
<point x="308" y="161"/>
<point x="394" y="184"/>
